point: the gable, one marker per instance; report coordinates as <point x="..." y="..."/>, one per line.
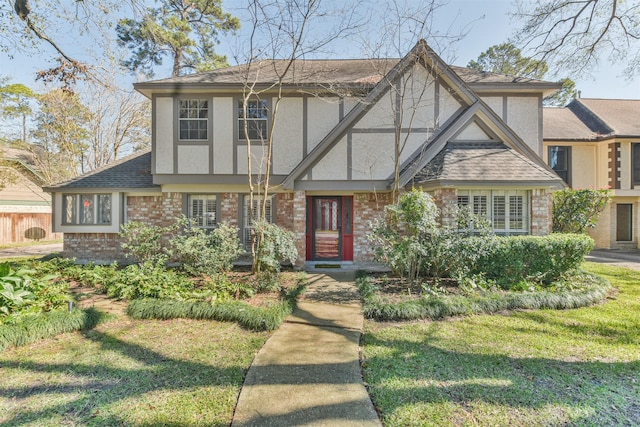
<point x="406" y="108"/>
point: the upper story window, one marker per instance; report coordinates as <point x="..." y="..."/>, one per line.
<point x="203" y="210"/>
<point x="256" y="119"/>
<point x="86" y="209"/>
<point x="507" y="211"/>
<point x="560" y="161"/>
<point x="193" y="119"/>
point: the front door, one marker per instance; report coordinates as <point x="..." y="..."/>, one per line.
<point x="329" y="228"/>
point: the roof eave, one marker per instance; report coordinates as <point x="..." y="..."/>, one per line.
<point x="553" y="184"/>
<point x="546" y="88"/>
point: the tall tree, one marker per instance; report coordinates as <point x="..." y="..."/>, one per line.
<point x="575" y="34"/>
<point x="507" y="59"/>
<point x="185" y="30"/>
<point x="61" y="134"/>
<point x="16" y="103"/>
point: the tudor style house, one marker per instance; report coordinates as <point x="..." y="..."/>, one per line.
<point x="467" y="137"/>
<point x="595" y="143"/>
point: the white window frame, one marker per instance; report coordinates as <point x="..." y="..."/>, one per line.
<point x="514" y="218"/>
<point x="87" y="209"/>
<point x="208" y="217"/>
<point x="196" y="113"/>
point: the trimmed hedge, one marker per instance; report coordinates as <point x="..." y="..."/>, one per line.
<point x="247" y="316"/>
<point x="542" y="259"/>
<point x="438" y="307"/>
<point x="47" y="325"/>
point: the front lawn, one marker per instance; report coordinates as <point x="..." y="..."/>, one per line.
<point x="534" y="367"/>
<point x="178" y="372"/>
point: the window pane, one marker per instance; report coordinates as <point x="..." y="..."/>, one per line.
<point x="499" y="212"/>
<point x="193" y="119"/>
<point x="69" y="207"/>
<point x="86" y="209"/>
<point x="480" y="205"/>
<point x="516" y="210"/>
<point x="104" y="209"/>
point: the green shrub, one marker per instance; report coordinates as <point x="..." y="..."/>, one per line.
<point x="540" y="259"/>
<point x="275" y="246"/>
<point x="22" y="292"/>
<point x="247" y="316"/>
<point x="576" y="210"/>
<point x="146" y="243"/>
<point x="587" y="290"/>
<point x="202" y="252"/>
<point x="398" y="237"/>
<point x="147" y="280"/>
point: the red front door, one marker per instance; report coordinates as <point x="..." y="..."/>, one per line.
<point x="329" y="228"/>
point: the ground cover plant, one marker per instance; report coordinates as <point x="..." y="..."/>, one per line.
<point x="528" y="367"/>
<point x="129" y="372"/>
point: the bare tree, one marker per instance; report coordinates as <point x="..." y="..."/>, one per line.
<point x="282" y="32"/>
<point x="404" y="25"/>
<point x="575" y="34"/>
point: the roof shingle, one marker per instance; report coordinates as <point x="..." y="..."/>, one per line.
<point x="131" y="172"/>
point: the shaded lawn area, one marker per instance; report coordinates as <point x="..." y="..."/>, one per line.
<point x="139" y="373"/>
<point x="527" y="368"/>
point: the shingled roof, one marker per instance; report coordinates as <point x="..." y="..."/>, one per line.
<point x="588" y="119"/>
<point x="481" y="163"/>
<point x="129" y="173"/>
<point x="364" y="73"/>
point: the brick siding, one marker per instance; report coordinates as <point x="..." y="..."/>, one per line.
<point x="366" y="208"/>
<point x="541" y="212"/>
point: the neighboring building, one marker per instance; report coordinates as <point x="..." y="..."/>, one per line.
<point x="595" y="143"/>
<point x="472" y="138"/>
<point x="25" y="209"/>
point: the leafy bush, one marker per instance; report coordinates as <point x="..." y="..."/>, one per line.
<point x="398" y="237"/>
<point x="147" y="280"/>
<point x="202" y="252"/>
<point x="275" y="246"/>
<point x="22" y="293"/>
<point x="515" y="259"/>
<point x="146" y="243"/>
<point x="576" y="210"/>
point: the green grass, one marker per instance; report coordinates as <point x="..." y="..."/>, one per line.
<point x="139" y="373"/>
<point x="526" y="368"/>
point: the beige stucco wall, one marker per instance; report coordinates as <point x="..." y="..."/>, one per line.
<point x="223" y="125"/>
<point x="287" y="135"/>
<point x="333" y="166"/>
<point x="524" y="118"/>
<point x="258" y="159"/>
<point x="625" y="166"/>
<point x="472" y="132"/>
<point x="193" y="159"/>
<point x="496" y="103"/>
<point x="164" y="135"/>
<point x="448" y="106"/>
<point x="322" y="116"/>
<point x="373" y="156"/>
<point x="380" y="116"/>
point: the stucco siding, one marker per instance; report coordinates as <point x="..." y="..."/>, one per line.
<point x="193" y="159"/>
<point x="523" y="118"/>
<point x="333" y="166"/>
<point x="496" y="103"/>
<point x="472" y="132"/>
<point x="223" y="125"/>
<point x="373" y="156"/>
<point x="164" y="135"/>
<point x="288" y="135"/>
<point x="322" y="116"/>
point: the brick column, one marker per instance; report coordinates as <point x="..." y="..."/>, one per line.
<point x="229" y="208"/>
<point x="541" y="212"/>
<point x="299" y="225"/>
<point x="446" y="199"/>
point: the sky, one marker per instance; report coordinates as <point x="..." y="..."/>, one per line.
<point x="487" y="23"/>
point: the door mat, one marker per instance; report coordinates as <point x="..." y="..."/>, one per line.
<point x="327" y="266"/>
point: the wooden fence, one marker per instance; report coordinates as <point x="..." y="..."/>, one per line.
<point x="26" y="227"/>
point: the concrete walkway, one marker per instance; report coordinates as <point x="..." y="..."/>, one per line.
<point x="308" y="372"/>
<point x="30" y="250"/>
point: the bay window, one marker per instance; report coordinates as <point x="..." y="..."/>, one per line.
<point x="507" y="211"/>
<point x="86" y="209"/>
